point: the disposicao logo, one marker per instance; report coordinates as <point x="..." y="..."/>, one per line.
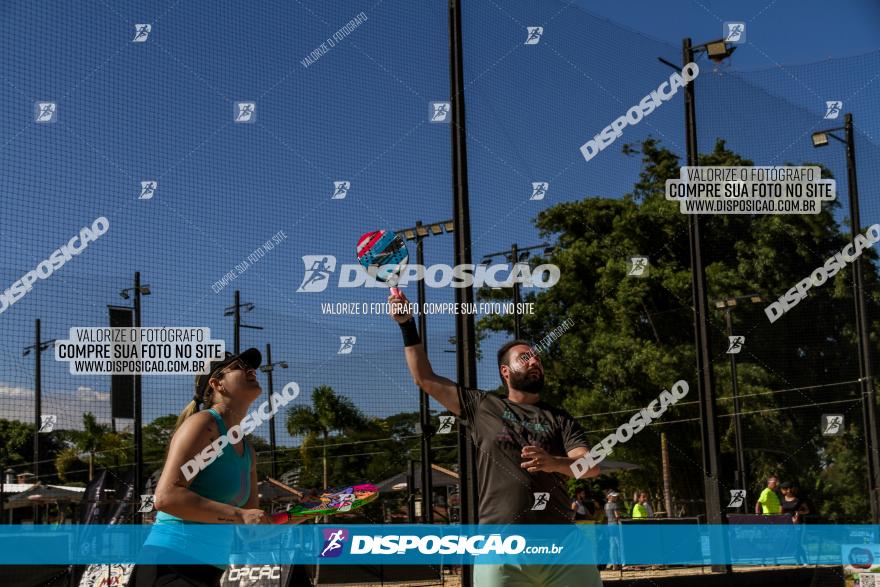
<point x="334" y="540"/>
<point x="319" y="268"/>
<point x="44" y="270"/>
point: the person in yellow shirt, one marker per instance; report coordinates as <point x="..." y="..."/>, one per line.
<point x="768" y="502"/>
<point x="640" y="509"/>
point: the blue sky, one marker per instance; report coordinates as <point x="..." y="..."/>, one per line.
<point x="788" y="33"/>
<point x="163" y="110"/>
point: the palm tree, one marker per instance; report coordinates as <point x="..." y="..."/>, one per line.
<point x="93" y="439"/>
<point x="329" y="413"/>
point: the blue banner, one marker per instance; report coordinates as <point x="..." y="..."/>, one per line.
<point x="646" y="543"/>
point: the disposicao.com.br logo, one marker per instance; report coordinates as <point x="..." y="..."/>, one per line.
<point x="319" y="270"/>
<point x="479" y="544"/>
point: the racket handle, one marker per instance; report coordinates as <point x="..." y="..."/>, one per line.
<point x="280" y="518"/>
<point x="395" y="292"/>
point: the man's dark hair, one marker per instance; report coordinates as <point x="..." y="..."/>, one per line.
<point x="503" y="359"/>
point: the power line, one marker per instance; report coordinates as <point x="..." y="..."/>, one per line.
<point x="727" y="398"/>
<point x="660" y="423"/>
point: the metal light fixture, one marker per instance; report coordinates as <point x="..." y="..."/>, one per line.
<point x="246" y="307"/>
<point x="820" y="139"/>
<point x="145" y="291"/>
<point x="719" y="50"/>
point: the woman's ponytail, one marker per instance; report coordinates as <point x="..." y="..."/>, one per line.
<point x="188" y="411"/>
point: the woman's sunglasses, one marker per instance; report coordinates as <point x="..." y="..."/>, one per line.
<point x="237" y="365"/>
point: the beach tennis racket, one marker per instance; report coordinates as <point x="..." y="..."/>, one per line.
<point x="383" y="254"/>
<point x="335" y="501"/>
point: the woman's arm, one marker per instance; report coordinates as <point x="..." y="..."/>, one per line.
<point x="173" y="495"/>
<point x="253" y="501"/>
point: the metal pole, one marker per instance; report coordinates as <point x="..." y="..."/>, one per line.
<point x="862" y="319"/>
<point x="424" y="404"/>
<point x="705" y="380"/>
<point x="272" y="406"/>
<point x="411" y="493"/>
<point x="466" y="360"/>
<point x="464" y="323"/>
<point x="138" y="409"/>
<point x="237" y="322"/>
<point x="38" y="399"/>
<point x="741" y="477"/>
<point x="517" y="319"/>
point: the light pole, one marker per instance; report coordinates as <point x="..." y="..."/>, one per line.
<point x="235" y="311"/>
<point x="717" y="51"/>
<point x="740" y="475"/>
<point x="139" y="290"/>
<point x="465" y="335"/>
<point x="866" y="372"/>
<point x="38" y="389"/>
<point x="516" y="255"/>
<point x="418" y="233"/>
<point x="267" y="368"/>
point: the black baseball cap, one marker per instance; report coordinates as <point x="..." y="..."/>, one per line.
<point x="251" y="357"/>
<point x="785" y="485"/>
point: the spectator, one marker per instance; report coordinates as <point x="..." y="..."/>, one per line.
<point x="768" y="502"/>
<point x="612" y="513"/>
<point x="795" y="507"/>
<point x="791" y="504"/>
<point x="586" y="510"/>
<point x="640" y="508"/>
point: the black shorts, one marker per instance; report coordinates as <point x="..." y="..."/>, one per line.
<point x="172" y="575"/>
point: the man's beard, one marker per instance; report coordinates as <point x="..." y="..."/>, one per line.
<point x="528" y="382"/>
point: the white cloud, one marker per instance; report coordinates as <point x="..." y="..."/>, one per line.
<point x="17" y="403"/>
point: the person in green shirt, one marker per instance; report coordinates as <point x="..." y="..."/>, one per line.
<point x="640" y="509"/>
<point x="768" y="502"/>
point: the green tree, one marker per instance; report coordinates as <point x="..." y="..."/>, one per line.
<point x="328" y="414"/>
<point x="633" y="337"/>
<point x="156" y="438"/>
<point x="16" y="441"/>
<point x="95" y="442"/>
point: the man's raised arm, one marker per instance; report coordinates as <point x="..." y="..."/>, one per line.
<point x="440" y="388"/>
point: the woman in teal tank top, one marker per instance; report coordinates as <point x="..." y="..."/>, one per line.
<point x="222" y="492"/>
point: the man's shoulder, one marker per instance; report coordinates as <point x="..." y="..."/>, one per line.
<point x="556" y="411"/>
<point x="480" y="393"/>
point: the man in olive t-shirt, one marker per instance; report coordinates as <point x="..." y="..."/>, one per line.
<point x="525" y="449"/>
<point x="500" y="429"/>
